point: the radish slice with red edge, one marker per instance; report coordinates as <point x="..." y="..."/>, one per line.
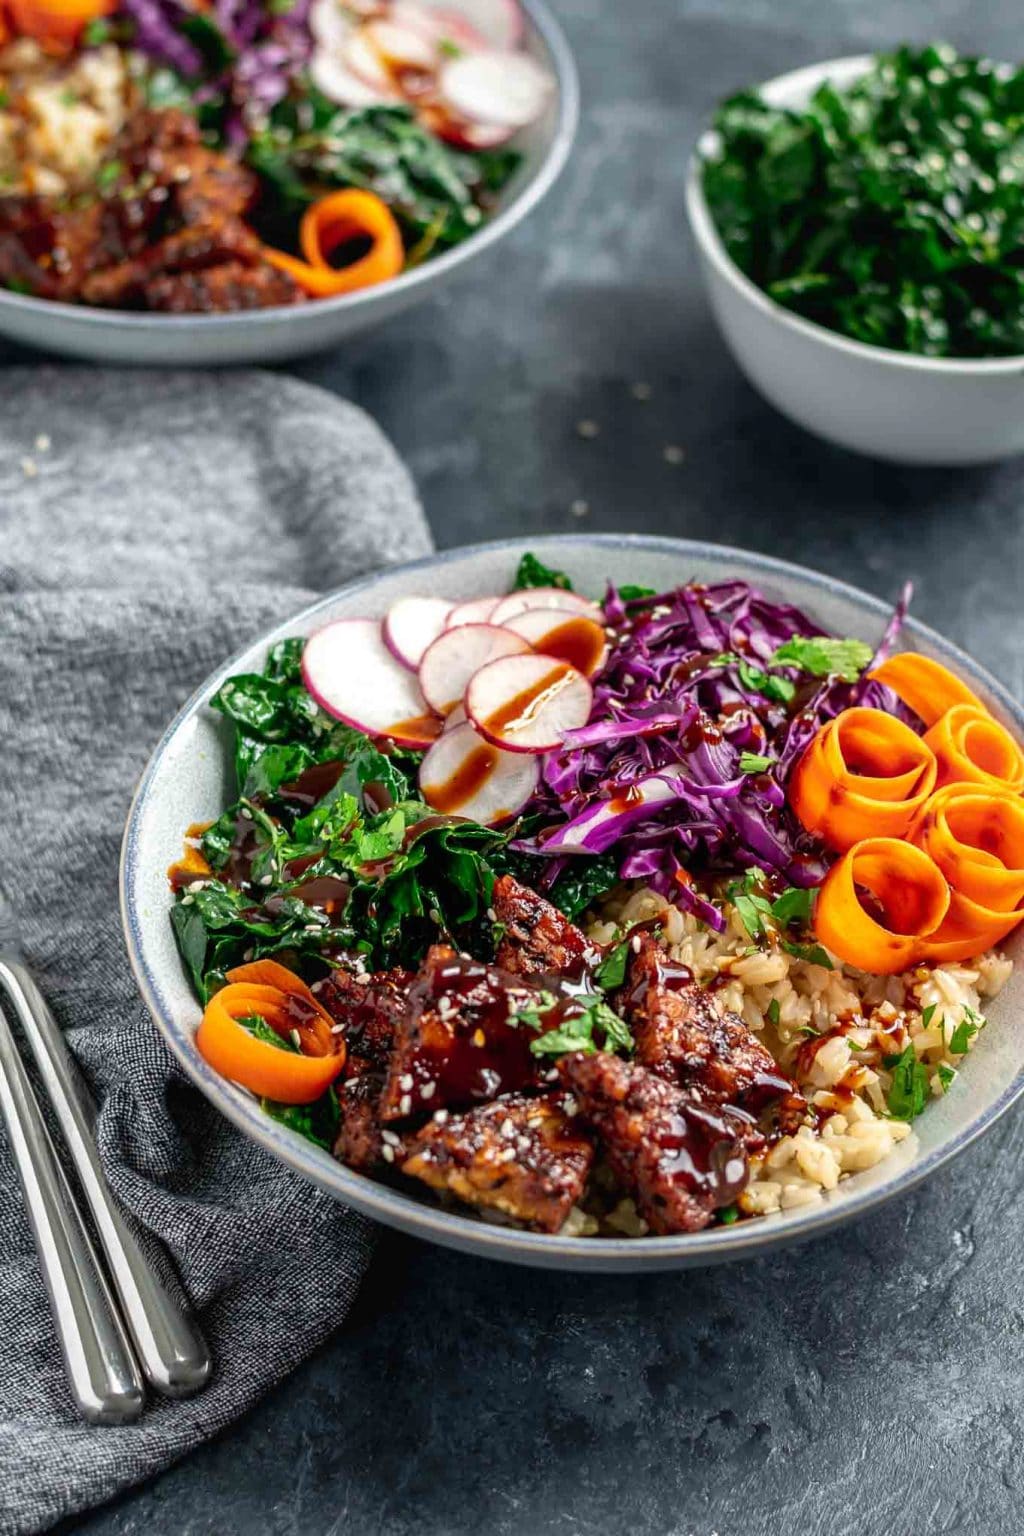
<point x="462" y="775"/>
<point x="506" y="90"/>
<point x="455" y="130"/>
<point x="477" y="611"/>
<point x="458" y="716"/>
<point x="362" y="58"/>
<point x="527" y="703"/>
<point x="566" y="636"/>
<point x="545" y="597"/>
<point x="453" y="658"/>
<point x="493" y="23"/>
<point x="411" y="625"/>
<point x="340" y="84"/>
<point x="402" y="47"/>
<point x="353" y="676"/>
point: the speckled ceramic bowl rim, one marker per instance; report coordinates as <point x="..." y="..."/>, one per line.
<point x="553" y="158"/>
<point x="715" y="1245"/>
<point x="705" y="232"/>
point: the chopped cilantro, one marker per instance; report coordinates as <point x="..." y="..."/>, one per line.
<point x="96" y="31"/>
<point x="823" y="656"/>
<point x="779" y="689"/>
<point x="965" y="1031"/>
<point x="774" y="1012"/>
<point x="577" y="1032"/>
<point x="793" y="906"/>
<point x="728" y="1215"/>
<point x="611" y="973"/>
<point x="812" y="953"/>
<point x="909" y="1092"/>
<point x="751" y="763"/>
<point x="631" y="594"/>
<point x="107" y="174"/>
<point x="946" y="1074"/>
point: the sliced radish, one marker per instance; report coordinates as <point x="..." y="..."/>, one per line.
<point x="458" y="716"/>
<point x="545" y="597"/>
<point x="411" y="625"/>
<point x="338" y="83"/>
<point x="462" y="134"/>
<point x="566" y="636"/>
<point x="362" y="58"/>
<point x="502" y="89"/>
<point x="441" y="23"/>
<point x="462" y="775"/>
<point x="496" y="23"/>
<point x="453" y="658"/>
<point x="477" y="611"/>
<point x="353" y="676"/>
<point x="329" y="24"/>
<point x="402" y="47"/>
<point x="527" y="703"/>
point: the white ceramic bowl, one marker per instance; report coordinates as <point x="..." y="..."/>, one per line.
<point x="269" y="335"/>
<point x="892" y="405"/>
<point x="188" y="780"/>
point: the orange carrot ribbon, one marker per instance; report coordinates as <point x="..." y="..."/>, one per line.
<point x="328" y="224"/>
<point x="269" y="991"/>
<point x="865" y="774"/>
<point x="971" y="746"/>
<point x="56" y="23"/>
<point x="909" y="899"/>
<point x="925" y="685"/>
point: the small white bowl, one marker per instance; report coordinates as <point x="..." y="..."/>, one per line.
<point x="892" y="405"/>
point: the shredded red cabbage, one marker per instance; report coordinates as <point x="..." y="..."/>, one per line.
<point x="268" y="46"/>
<point x="656" y="772"/>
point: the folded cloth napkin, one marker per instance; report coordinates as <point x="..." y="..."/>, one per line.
<point x="149" y="525"/>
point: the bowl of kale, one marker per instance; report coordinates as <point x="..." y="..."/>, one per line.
<point x="860" y="227"/>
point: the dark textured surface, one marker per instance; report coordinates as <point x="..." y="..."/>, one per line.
<point x="873" y="1383"/>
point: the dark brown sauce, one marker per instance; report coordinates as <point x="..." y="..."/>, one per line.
<point x="521" y="709"/>
<point x="470" y="776"/>
<point x="312" y="784"/>
<point x="579" y="641"/>
<point x="416" y="728"/>
<point x="328" y="893"/>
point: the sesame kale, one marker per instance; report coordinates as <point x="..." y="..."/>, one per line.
<point x="891" y="210"/>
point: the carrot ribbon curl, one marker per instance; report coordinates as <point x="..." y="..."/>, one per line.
<point x="865" y="774"/>
<point x="909" y="899"/>
<point x="925" y="685"/>
<point x="328" y="224"/>
<point x="269" y="991"/>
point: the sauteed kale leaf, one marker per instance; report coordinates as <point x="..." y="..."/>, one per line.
<point x="890" y="211"/>
<point x="437" y="193"/>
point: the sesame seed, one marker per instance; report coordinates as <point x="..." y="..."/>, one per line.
<point x="266" y="880"/>
<point x="404" y="1104"/>
<point x="440" y="1116"/>
<point x="508" y="1127"/>
<point x="587" y="428"/>
<point x="428" y="1090"/>
<point x="388" y="1154"/>
<point x="405" y="1081"/>
<point x="492" y="916"/>
<point x="634" y="943"/>
<point x="390" y="1138"/>
<point x="507" y="1156"/>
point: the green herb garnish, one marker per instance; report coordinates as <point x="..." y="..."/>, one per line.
<point x="577" y="1032"/>
<point x="909" y="1092"/>
<point x="965" y="1031"/>
<point x="824" y="657"/>
<point x="751" y="763"/>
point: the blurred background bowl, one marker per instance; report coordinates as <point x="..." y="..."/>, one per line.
<point x="270" y="335"/>
<point x="891" y="405"/>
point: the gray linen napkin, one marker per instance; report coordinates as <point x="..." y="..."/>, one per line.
<point x="150" y="524"/>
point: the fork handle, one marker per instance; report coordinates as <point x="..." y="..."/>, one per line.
<point x="101" y="1370"/>
<point x="167" y="1339"/>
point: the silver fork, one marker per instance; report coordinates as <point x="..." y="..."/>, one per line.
<point x="163" y="1329"/>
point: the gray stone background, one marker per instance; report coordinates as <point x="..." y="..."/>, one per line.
<point x="871" y="1383"/>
